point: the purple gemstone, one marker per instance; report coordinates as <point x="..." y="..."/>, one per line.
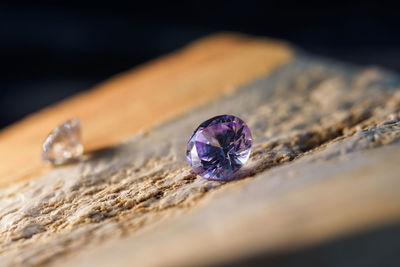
<point x="219" y="147"/>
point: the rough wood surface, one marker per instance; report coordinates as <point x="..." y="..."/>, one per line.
<point x="325" y="165"/>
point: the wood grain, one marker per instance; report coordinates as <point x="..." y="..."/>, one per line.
<point x="323" y="167"/>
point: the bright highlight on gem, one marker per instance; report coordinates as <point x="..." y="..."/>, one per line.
<point x="64" y="143"/>
<point x="219" y="147"/>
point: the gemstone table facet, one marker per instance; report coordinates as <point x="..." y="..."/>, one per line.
<point x="64" y="143"/>
<point x="219" y="147"/>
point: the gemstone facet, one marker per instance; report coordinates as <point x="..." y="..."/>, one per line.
<point x="64" y="143"/>
<point x="219" y="147"/>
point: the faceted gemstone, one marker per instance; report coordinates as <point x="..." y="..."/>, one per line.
<point x="64" y="143"/>
<point x="219" y="147"/>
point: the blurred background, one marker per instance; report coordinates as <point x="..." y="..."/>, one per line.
<point x="50" y="50"/>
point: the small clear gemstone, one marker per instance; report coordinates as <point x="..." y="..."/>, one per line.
<point x="219" y="147"/>
<point x="64" y="143"/>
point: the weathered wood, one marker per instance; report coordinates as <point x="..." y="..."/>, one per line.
<point x="325" y="164"/>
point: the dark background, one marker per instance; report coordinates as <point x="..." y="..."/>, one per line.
<point x="52" y="49"/>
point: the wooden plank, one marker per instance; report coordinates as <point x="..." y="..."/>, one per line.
<point x="324" y="166"/>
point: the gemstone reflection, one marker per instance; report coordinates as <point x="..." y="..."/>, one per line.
<point x="219" y="147"/>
